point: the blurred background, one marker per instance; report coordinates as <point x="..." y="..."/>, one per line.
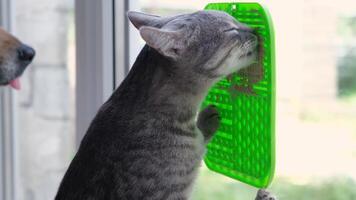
<point x="316" y="98"/>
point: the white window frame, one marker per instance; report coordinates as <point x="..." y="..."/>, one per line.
<point x="121" y="36"/>
<point x="7" y="137"/>
<point x="102" y="58"/>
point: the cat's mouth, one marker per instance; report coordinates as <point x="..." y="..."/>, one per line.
<point x="247" y="54"/>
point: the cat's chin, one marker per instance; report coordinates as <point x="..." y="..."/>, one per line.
<point x="251" y="56"/>
<point x="247" y="60"/>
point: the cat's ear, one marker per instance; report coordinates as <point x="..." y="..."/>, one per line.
<point x="166" y="42"/>
<point x="141" y="19"/>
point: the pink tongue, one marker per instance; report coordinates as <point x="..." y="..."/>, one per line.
<point x="15" y="84"/>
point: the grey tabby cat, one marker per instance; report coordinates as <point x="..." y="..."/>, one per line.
<point x="145" y="142"/>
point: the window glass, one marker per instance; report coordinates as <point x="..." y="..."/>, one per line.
<point x="45" y="106"/>
<point x="316" y="98"/>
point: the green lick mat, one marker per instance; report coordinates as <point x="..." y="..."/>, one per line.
<point x="244" y="146"/>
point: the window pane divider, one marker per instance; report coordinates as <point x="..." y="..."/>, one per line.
<point x="7" y="128"/>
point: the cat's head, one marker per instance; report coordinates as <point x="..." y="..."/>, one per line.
<point x="209" y="43"/>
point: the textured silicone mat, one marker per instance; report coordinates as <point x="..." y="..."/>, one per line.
<point x="244" y="146"/>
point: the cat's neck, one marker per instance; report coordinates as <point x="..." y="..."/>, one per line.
<point x="151" y="85"/>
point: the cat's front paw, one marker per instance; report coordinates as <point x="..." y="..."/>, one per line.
<point x="264" y="195"/>
<point x="208" y="121"/>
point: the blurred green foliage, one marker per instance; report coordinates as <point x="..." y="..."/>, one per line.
<point x="338" y="188"/>
<point x="347" y="26"/>
<point x="347" y="73"/>
<point x="213" y="186"/>
<point x="347" y="61"/>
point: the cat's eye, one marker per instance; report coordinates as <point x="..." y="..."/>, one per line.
<point x="231" y="30"/>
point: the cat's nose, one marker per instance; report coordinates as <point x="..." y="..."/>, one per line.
<point x="248" y="36"/>
<point x="246" y="33"/>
